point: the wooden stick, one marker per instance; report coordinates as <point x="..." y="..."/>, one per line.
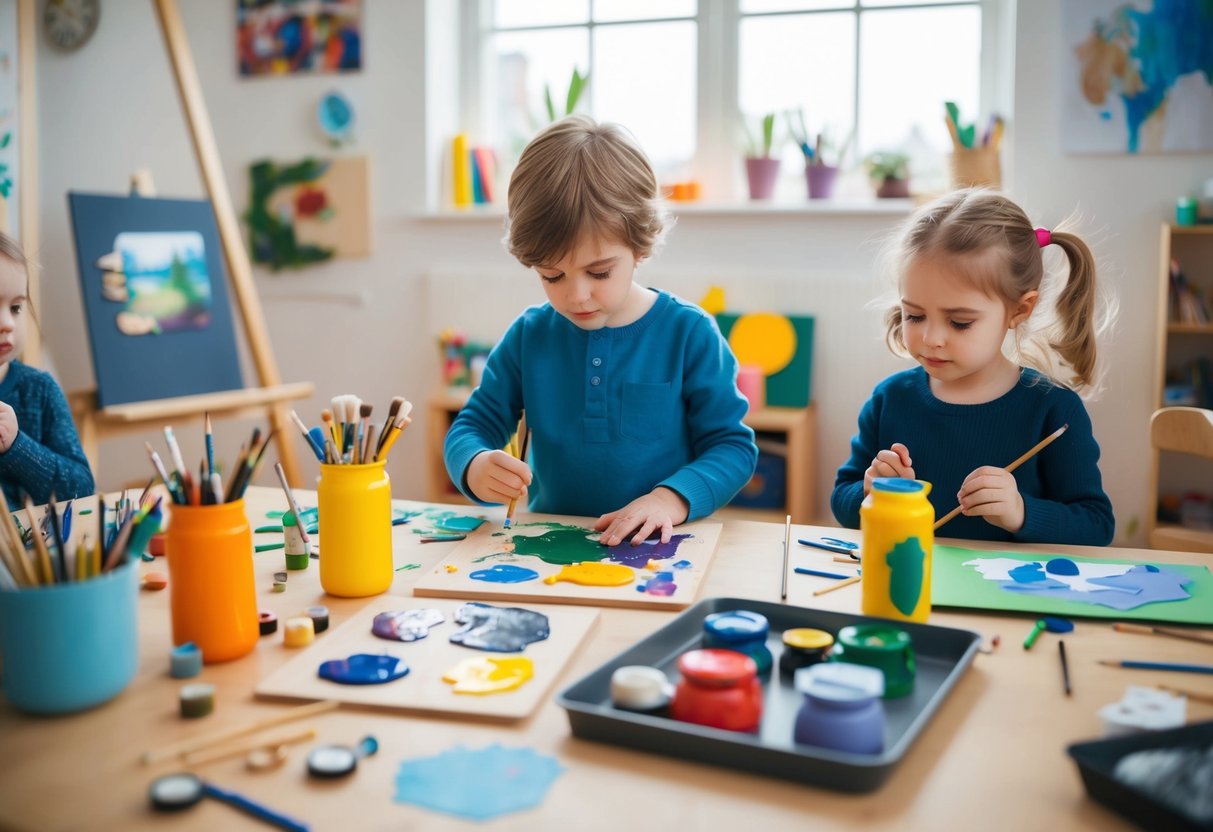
<point x="1037" y="448"/>
<point x="1195" y="696"/>
<point x="1121" y="627"/>
<point x="787" y="541"/>
<point x="199" y="758"/>
<point x="189" y="746"/>
<point x="839" y="585"/>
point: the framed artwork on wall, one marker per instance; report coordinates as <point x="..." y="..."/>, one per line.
<point x="291" y="37"/>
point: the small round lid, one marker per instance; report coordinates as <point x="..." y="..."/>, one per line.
<point x="882" y="637"/>
<point x="736" y="626"/>
<point x="896" y="485"/>
<point x="807" y="638"/>
<point x="640" y="687"/>
<point x="716" y="667"/>
<point x="840" y="682"/>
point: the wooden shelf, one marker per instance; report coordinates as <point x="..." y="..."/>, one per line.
<point x="443" y="405"/>
<point x="1180" y="539"/>
<point x="1194" y="329"/>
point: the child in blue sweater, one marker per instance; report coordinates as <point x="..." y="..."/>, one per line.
<point x="40" y="452"/>
<point x="971" y="271"/>
<point x="630" y="394"/>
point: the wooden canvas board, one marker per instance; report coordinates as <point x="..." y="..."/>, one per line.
<point x="423" y="690"/>
<point x="492" y="545"/>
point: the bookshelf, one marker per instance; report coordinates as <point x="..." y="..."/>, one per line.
<point x="1183" y="375"/>
<point x="795" y="428"/>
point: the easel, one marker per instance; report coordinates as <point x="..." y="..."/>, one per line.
<point x="95" y="423"/>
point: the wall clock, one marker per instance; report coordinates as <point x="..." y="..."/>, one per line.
<point x="70" y="23"/>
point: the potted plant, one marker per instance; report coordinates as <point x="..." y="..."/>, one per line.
<point x="762" y="169"/>
<point x="889" y="171"/>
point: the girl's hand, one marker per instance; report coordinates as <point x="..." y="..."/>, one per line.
<point x="895" y="462"/>
<point x="992" y="493"/>
<point x="498" y="477"/>
<point x="661" y="508"/>
<point x="8" y="427"/>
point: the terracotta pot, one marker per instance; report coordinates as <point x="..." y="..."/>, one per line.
<point x="892" y="188"/>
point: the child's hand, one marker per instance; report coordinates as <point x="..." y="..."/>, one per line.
<point x="660" y="508"/>
<point x="992" y="493"/>
<point x="498" y="477"/>
<point x="894" y="462"/>
<point x="8" y="427"/>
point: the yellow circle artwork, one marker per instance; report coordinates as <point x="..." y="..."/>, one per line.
<point x="764" y="340"/>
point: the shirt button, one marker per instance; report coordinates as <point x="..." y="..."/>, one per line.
<point x="597" y="362"/>
<point x="595" y="381"/>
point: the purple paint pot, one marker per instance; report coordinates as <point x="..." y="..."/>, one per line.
<point x="842" y="708"/>
<point x="740" y="630"/>
<point x="363" y="669"/>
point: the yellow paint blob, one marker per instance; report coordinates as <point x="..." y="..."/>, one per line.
<point x="482" y="675"/>
<point x="653" y="566"/>
<point x="593" y="574"/>
<point x="450" y="568"/>
<point x="764" y="339"/>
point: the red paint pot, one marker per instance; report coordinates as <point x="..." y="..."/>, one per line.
<point x="719" y="688"/>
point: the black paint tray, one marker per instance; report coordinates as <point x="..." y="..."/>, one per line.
<point x="942" y="655"/>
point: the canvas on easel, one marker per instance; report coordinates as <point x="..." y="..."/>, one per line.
<point x="155" y="297"/>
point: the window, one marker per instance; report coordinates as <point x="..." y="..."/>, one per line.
<point x="685" y="75"/>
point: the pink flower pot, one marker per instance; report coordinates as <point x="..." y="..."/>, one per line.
<point x="761" y="174"/>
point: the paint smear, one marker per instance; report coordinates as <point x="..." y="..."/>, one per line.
<point x="483" y="675"/>
<point x="593" y="574"/>
<point x="564" y="545"/>
<point x="683" y="564"/>
<point x="504" y="573"/>
<point x="499" y="629"/>
<point x="661" y="584"/>
<point x="648" y="550"/>
<point x="363" y="669"/>
<point x="406" y="625"/>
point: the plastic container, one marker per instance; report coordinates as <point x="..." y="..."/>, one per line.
<point x="882" y="647"/>
<point x="719" y="688"/>
<point x="743" y="631"/>
<point x="355" y="528"/>
<point x="803" y="647"/>
<point x="898" y="523"/>
<point x="212" y="594"/>
<point x="841" y="709"/>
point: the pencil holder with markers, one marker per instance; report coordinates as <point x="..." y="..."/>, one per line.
<point x="212" y="594"/>
<point x="355" y="529"/>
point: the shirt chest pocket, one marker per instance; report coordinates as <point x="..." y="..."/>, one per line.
<point x="647" y="409"/>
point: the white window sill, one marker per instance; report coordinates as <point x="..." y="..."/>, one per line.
<point x="824" y="207"/>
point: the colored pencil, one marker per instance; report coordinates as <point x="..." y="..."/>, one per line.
<point x="1065" y="667"/>
<point x="856" y="579"/>
<point x="1033" y="451"/>
<point x="1195" y="696"/>
<point x="800" y="570"/>
<point x="1121" y="627"/>
<point x="1179" y="668"/>
<point x="787" y="545"/>
<point x="522" y="437"/>
<point x="210" y="446"/>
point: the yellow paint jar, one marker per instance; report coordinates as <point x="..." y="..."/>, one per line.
<point x="212" y="596"/>
<point x="355" y="529"/>
<point x="898" y="524"/>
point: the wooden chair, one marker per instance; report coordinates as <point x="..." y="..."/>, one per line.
<point x="1185" y="430"/>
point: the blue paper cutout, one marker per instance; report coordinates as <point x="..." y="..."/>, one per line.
<point x="1028" y="573"/>
<point x="1141" y="585"/>
<point x="1061" y="566"/>
<point x="477" y="784"/>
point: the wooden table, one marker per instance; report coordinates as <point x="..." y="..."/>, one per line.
<point x="992" y="758"/>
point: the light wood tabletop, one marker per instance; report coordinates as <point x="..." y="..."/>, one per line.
<point x="993" y="756"/>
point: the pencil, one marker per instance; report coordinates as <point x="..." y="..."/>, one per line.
<point x="820" y="573"/>
<point x="1179" y="668"/>
<point x="829" y="547"/>
<point x="1065" y="667"/>
<point x="1195" y="696"/>
<point x="1037" y="448"/>
<point x="838" y="585"/>
<point x="210" y="448"/>
<point x="1121" y="627"/>
<point x="787" y="541"/>
<point x="199" y="743"/>
<point x="521" y="438"/>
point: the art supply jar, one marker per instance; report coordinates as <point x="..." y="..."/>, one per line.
<point x="740" y="630"/>
<point x="885" y="648"/>
<point x="355" y="529"/>
<point x="802" y="647"/>
<point x="211" y="590"/>
<point x="898" y="524"/>
<point x="719" y="688"/>
<point x="841" y="709"/>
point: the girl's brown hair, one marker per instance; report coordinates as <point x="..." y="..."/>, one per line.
<point x="578" y="177"/>
<point x="1003" y="257"/>
<point x="11" y="249"/>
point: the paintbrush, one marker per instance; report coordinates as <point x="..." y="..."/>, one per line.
<point x="52" y="513"/>
<point x="290" y="502"/>
<point x="362" y="446"/>
<point x="1121" y="627"/>
<point x="1195" y="696"/>
<point x="839" y="585"/>
<point x="392" y="411"/>
<point x="15" y="550"/>
<point x="522" y="438"/>
<point x="402" y="422"/>
<point x="1035" y="449"/>
<point x="787" y="540"/>
<point x="317" y="447"/>
<point x="44" y="557"/>
<point x="326" y="417"/>
<point x="241" y="458"/>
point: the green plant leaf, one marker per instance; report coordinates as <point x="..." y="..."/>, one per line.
<point x="5" y="140"/>
<point x="547" y="101"/>
<point x="768" y="134"/>
<point x="576" y="87"/>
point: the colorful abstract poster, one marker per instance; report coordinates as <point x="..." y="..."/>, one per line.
<point x="1071" y="586"/>
<point x="1137" y="76"/>
<point x="289" y="37"/>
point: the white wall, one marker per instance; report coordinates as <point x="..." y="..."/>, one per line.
<point x="369" y="326"/>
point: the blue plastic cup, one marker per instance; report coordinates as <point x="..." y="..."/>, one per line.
<point x="70" y="646"/>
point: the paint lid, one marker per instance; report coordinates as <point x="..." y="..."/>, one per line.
<point x="840" y="682"/>
<point x="897" y="485"/>
<point x="807" y="638"/>
<point x="718" y="668"/>
<point x="875" y="637"/>
<point x="736" y="626"/>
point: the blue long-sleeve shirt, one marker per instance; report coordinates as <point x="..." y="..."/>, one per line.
<point x="613" y="412"/>
<point x="1064" y="500"/>
<point x="46" y="456"/>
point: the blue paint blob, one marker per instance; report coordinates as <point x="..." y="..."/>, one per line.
<point x="479" y="784"/>
<point x="683" y="564"/>
<point x="1058" y="625"/>
<point x="1061" y="566"/>
<point x="499" y="629"/>
<point x="1027" y="574"/>
<point x="504" y="573"/>
<point x="363" y="669"/>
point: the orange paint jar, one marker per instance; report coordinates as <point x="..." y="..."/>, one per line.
<point x="719" y="688"/>
<point x="211" y="589"/>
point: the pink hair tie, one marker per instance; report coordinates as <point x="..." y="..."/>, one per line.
<point x="1043" y="237"/>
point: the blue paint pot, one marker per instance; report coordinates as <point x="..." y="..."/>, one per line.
<point x="740" y="630"/>
<point x="842" y="709"/>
